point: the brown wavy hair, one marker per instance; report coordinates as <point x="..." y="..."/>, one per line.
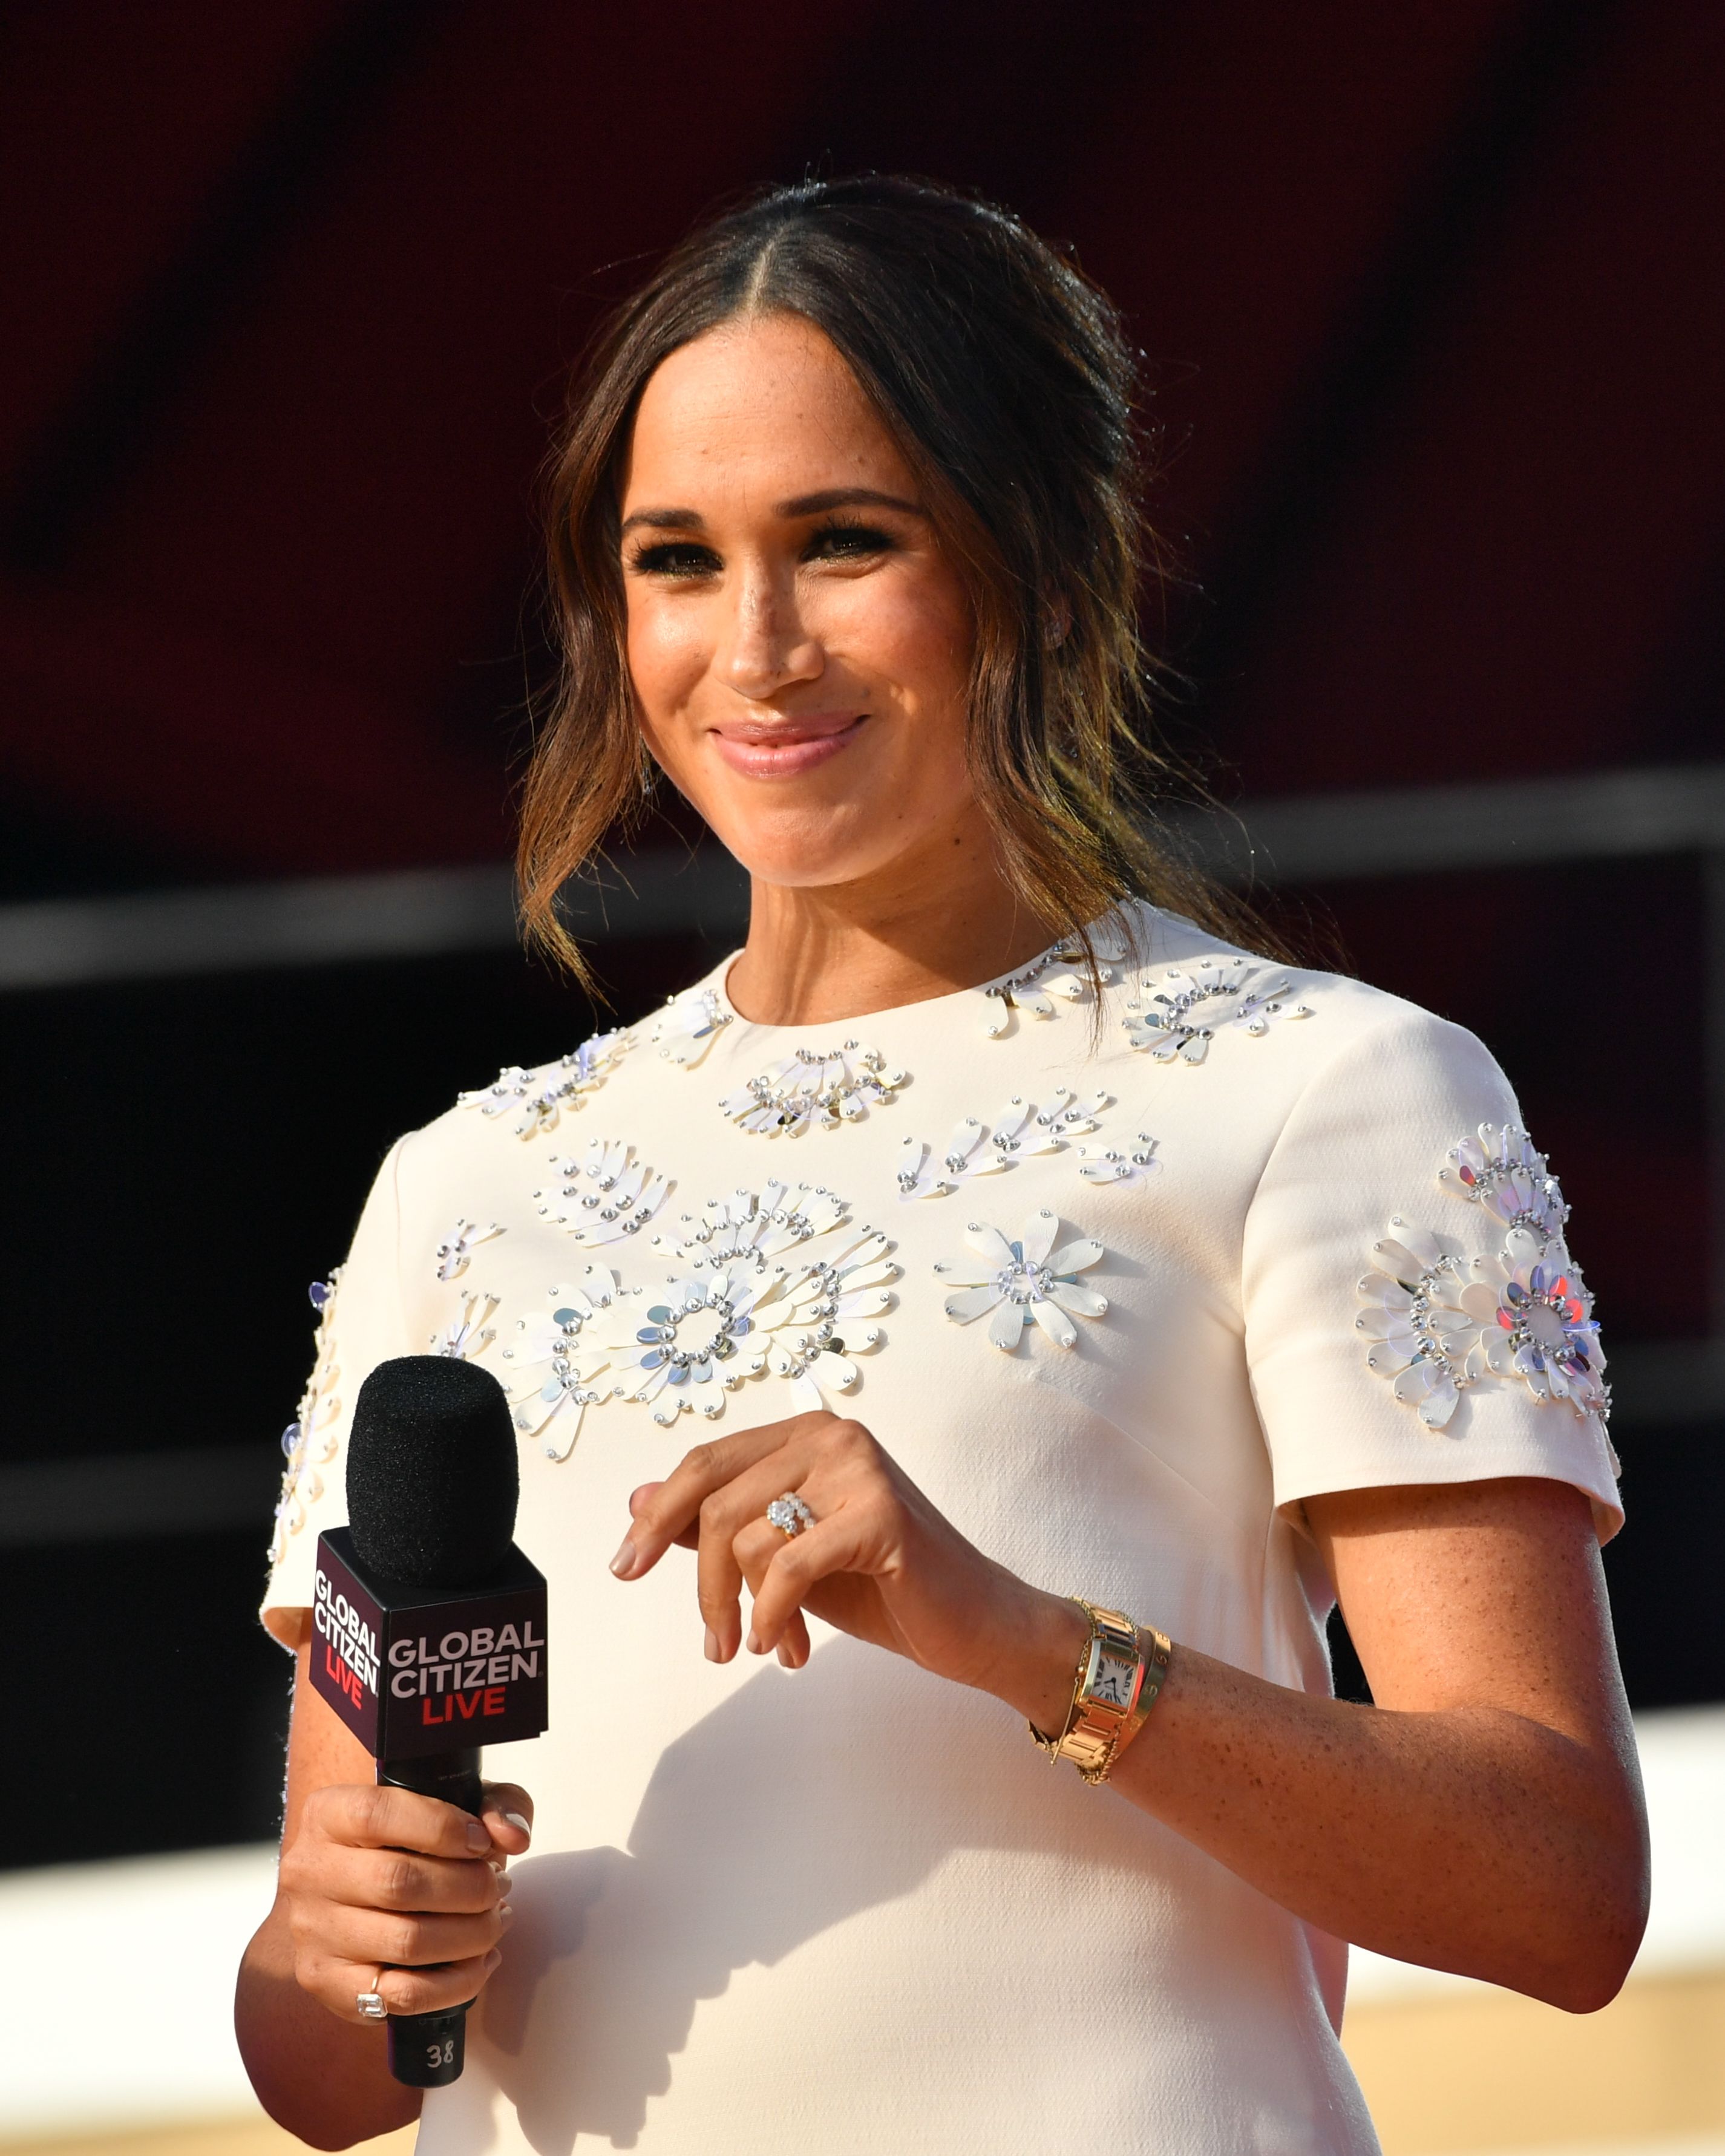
<point x="1005" y="379"/>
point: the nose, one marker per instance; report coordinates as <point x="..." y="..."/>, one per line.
<point x="768" y="645"/>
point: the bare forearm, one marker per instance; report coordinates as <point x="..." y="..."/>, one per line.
<point x="324" y="2080"/>
<point x="1472" y="1839"/>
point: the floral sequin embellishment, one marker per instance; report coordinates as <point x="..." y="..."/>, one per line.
<point x="554" y="1357"/>
<point x="1132" y="1163"/>
<point x="1502" y="1170"/>
<point x="538" y="1099"/>
<point x="1177" y="1013"/>
<point x="820" y="1087"/>
<point x="1542" y="1329"/>
<point x="1020" y="1129"/>
<point x="689" y="1026"/>
<point x="1057" y="974"/>
<point x="1437" y="1323"/>
<point x="309" y="1442"/>
<point x="458" y="1246"/>
<point x="606" y="1196"/>
<point x="1421" y="1337"/>
<point x="749" y="1299"/>
<point x="1011" y="1282"/>
<point x="469" y="1332"/>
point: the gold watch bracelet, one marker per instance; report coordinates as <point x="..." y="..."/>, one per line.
<point x="1096" y="1732"/>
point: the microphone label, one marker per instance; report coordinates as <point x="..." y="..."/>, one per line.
<point x="416" y="1672"/>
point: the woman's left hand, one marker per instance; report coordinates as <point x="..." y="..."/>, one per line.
<point x="879" y="1562"/>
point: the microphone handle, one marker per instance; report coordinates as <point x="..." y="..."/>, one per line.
<point x="428" y="2050"/>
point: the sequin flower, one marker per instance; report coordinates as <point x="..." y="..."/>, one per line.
<point x="470" y="1333"/>
<point x="689" y="1026"/>
<point x="1541" y="1326"/>
<point x="685" y="1348"/>
<point x="606" y="1196"/>
<point x="755" y="1229"/>
<point x="458" y="1246"/>
<point x="817" y="1323"/>
<point x="1438" y="1324"/>
<point x="309" y="1442"/>
<point x="1016" y="1281"/>
<point x="554" y="1355"/>
<point x="1056" y="974"/>
<point x="1123" y="1163"/>
<point x="1502" y="1170"/>
<point x="1021" y="1128"/>
<point x="538" y="1099"/>
<point x="751" y="1298"/>
<point x="1178" y="1012"/>
<point x="815" y="1087"/>
<point x="1421" y="1334"/>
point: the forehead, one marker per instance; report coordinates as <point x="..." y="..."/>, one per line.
<point x="769" y="402"/>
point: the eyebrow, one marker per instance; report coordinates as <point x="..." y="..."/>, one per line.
<point x="801" y="504"/>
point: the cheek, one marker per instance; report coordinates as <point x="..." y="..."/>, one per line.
<point x="918" y="639"/>
<point x="668" y="654"/>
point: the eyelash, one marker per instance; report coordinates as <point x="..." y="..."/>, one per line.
<point x="685" y="559"/>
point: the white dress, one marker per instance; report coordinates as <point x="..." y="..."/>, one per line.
<point x="1118" y="1289"/>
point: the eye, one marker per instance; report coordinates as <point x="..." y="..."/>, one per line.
<point x="847" y="542"/>
<point x="674" y="558"/>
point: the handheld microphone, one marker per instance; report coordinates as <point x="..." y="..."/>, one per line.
<point x="429" y="1623"/>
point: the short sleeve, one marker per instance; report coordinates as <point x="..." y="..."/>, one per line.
<point x="361" y="1323"/>
<point x="1413" y="1314"/>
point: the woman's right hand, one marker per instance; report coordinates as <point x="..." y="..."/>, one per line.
<point x="385" y="1890"/>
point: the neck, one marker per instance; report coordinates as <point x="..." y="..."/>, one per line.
<point x="918" y="928"/>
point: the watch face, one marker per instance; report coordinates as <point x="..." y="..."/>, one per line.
<point x="1113" y="1684"/>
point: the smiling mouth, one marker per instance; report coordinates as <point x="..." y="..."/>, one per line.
<point x="785" y="748"/>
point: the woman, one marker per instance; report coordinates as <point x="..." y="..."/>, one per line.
<point x="996" y="1231"/>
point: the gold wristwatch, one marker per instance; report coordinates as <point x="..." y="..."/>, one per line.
<point x="1120" y="1673"/>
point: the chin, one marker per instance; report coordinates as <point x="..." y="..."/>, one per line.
<point x="803" y="853"/>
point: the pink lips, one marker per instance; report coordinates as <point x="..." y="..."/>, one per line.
<point x="785" y="748"/>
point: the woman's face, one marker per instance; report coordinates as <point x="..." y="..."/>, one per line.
<point x="800" y="646"/>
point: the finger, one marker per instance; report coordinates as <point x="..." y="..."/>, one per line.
<point x="835" y="1544"/>
<point x="398" y="1880"/>
<point x="690" y="1536"/>
<point x="398" y="1939"/>
<point x="755" y="1547"/>
<point x="731" y="1518"/>
<point x="794" y="1648"/>
<point x="507" y="1814"/>
<point x="376" y="1817"/>
<point x="336" y="1983"/>
<point x="673" y="1507"/>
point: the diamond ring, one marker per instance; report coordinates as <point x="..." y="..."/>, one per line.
<point x="790" y="1516"/>
<point x="370" y="2005"/>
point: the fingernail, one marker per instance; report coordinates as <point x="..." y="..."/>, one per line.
<point x="506" y="1914"/>
<point x="623" y="1563"/>
<point x="754" y="1643"/>
<point x="516" y="1821"/>
<point x="786" y="1656"/>
<point x="493" y="1961"/>
<point x="711" y="1646"/>
<point x="504" y="1881"/>
<point x="478" y="1837"/>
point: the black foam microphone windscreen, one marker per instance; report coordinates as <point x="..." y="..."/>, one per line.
<point x="433" y="1475"/>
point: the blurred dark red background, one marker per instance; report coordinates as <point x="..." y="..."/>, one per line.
<point x="1431" y="299"/>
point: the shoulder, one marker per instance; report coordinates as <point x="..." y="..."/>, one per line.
<point x="530" y="1111"/>
<point x="1180" y="989"/>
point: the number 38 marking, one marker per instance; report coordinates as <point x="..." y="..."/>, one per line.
<point x="441" y="2055"/>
